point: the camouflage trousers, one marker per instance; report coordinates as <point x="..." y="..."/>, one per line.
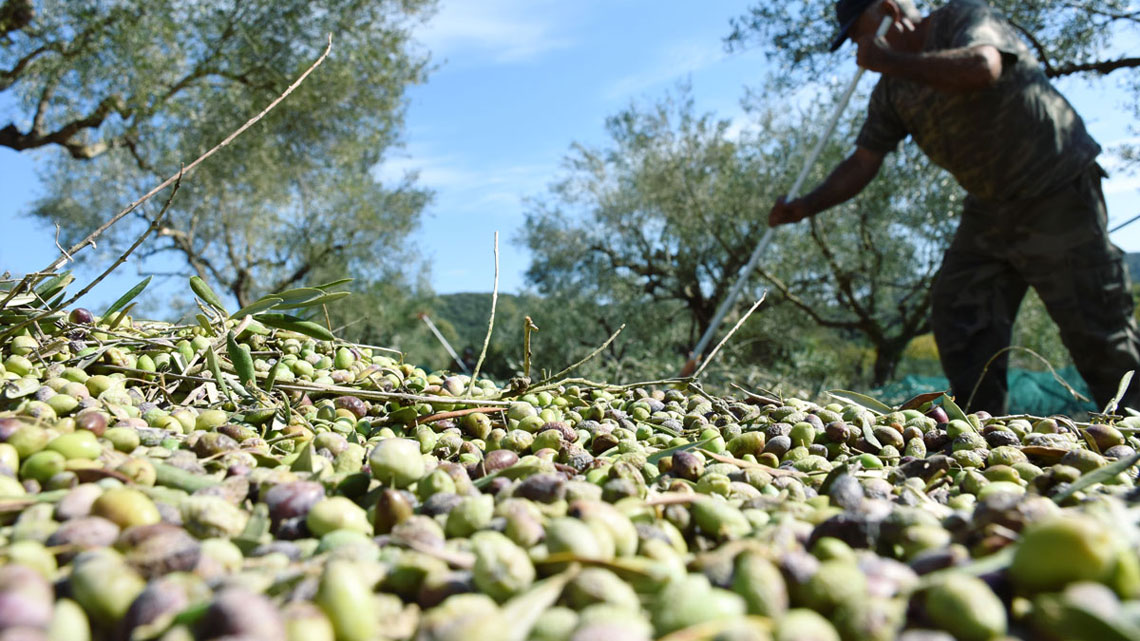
<point x="1058" y="244"/>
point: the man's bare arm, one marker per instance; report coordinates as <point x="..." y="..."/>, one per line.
<point x="844" y="183"/>
<point x="952" y="70"/>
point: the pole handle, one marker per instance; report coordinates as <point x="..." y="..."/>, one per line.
<point x="884" y="26"/>
<point x="766" y="239"/>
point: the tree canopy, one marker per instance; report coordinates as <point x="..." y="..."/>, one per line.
<point x="1067" y="36"/>
<point x="127" y="90"/>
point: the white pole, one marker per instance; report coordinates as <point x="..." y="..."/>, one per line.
<point x="446" y="345"/>
<point x="766" y="239"/>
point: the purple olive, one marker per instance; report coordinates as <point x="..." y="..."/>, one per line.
<point x="499" y="459"/>
<point x="81" y="316"/>
<point x="8" y="427"/>
<point x="94" y="422"/>
<point x="293" y="499"/>
<point x="939" y="414"/>
<point x="358" y="407"/>
<point x="240" y="612"/>
<point x="25" y="598"/>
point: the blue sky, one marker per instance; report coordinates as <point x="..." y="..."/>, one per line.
<point x="517" y="82"/>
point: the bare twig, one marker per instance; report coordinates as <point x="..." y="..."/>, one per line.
<point x="123" y="257"/>
<point x="89" y="240"/>
<point x="570" y="368"/>
<point x="712" y="354"/>
<point x="528" y="327"/>
<point x="457" y="414"/>
<point x="329" y="389"/>
<point x="490" y="323"/>
<point x="1077" y="395"/>
<point x="98" y="279"/>
<point x="67" y="257"/>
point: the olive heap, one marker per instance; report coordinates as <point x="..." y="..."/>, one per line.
<point x="238" y="481"/>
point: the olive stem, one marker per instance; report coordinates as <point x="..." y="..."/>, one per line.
<point x="551" y="381"/>
<point x="457" y="413"/>
<point x="331" y="389"/>
<point x="490" y="323"/>
<point x="1077" y="395"/>
<point x="528" y="327"/>
<point x="712" y="354"/>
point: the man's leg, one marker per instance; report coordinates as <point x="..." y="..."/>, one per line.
<point x="1086" y="289"/>
<point x="975" y="301"/>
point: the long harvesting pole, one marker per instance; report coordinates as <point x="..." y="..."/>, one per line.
<point x="439" y="336"/>
<point x="766" y="239"/>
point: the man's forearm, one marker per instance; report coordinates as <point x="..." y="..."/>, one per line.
<point x="966" y="69"/>
<point x="844" y="183"/>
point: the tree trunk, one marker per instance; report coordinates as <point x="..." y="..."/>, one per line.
<point x="887" y="357"/>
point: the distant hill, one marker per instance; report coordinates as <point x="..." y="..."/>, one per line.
<point x="467" y="314"/>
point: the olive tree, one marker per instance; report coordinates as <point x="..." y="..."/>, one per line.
<point x="1067" y="36"/>
<point x="125" y="91"/>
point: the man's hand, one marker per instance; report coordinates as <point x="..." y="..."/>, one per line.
<point x="784" y="212"/>
<point x="873" y="53"/>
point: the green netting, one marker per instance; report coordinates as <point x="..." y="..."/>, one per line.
<point x="1036" y="393"/>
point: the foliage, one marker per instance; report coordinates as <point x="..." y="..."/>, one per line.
<point x="133" y="88"/>
<point x="1067" y="36"/>
<point x="1087" y="38"/>
<point x="1035" y="330"/>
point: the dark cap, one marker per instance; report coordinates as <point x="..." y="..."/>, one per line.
<point x="846" y="13"/>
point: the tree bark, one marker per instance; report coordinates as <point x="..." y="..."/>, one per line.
<point x="887" y="357"/>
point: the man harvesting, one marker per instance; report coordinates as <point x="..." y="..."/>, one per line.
<point x="966" y="89"/>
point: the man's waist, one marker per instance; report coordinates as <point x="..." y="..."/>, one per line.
<point x="1048" y="190"/>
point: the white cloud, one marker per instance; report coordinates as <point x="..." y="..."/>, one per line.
<point x="1122" y="184"/>
<point x="506" y="31"/>
<point x="673" y="63"/>
<point x="464" y="184"/>
<point x="436" y="172"/>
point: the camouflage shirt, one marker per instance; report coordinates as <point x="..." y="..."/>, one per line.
<point x="1014" y="140"/>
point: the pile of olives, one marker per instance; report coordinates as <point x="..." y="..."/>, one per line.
<point x="238" y="481"/>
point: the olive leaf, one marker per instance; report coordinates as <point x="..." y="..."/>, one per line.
<point x="212" y="364"/>
<point x="293" y="297"/>
<point x="952" y="409"/>
<point x="180" y="479"/>
<point x="127" y="297"/>
<point x="921" y="400"/>
<point x="1099" y="475"/>
<point x="113" y="323"/>
<point x="241" y="358"/>
<point x="21" y="299"/>
<point x="263" y="304"/>
<point x="256" y="529"/>
<point x="206" y="294"/>
<point x="294" y="324"/>
<point x="319" y="300"/>
<point x="204" y="323"/>
<point x="653" y="458"/>
<point x="54" y="285"/>
<point x="521" y="612"/>
<point x="1120" y="390"/>
<point x="334" y="283"/>
<point x="868" y="429"/>
<point x="862" y="400"/>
